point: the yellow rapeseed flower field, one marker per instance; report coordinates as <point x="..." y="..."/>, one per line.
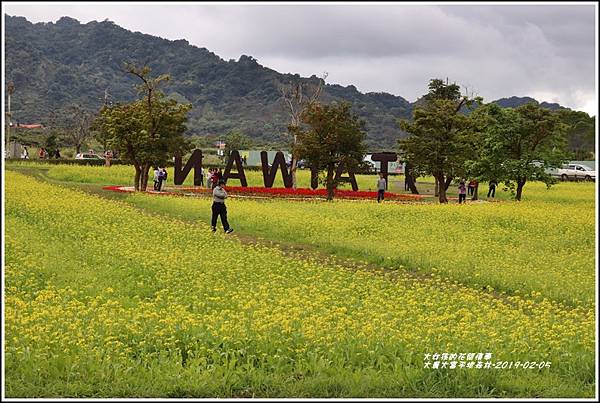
<point x="534" y="248"/>
<point x="105" y="300"/>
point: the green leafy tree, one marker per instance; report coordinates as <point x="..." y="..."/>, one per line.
<point x="51" y="143"/>
<point x="440" y="90"/>
<point x="236" y="140"/>
<point x="580" y="133"/>
<point x="148" y="131"/>
<point x="441" y="138"/>
<point x="520" y="145"/>
<point x="101" y="135"/>
<point x="331" y="135"/>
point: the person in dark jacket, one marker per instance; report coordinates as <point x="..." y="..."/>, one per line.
<point x="162" y="178"/>
<point x="471" y="187"/>
<point x="219" y="209"/>
<point x="381" y="185"/>
<point x="462" y="192"/>
<point x="492" y="188"/>
<point x="156" y="178"/>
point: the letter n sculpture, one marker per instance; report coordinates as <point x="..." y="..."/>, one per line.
<point x="195" y="162"/>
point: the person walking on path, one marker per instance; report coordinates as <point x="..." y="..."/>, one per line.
<point x="462" y="192"/>
<point x="381" y="184"/>
<point x="219" y="209"/>
<point x="492" y="188"/>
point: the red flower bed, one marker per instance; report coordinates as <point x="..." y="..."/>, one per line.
<point x="279" y="192"/>
<point x="116" y="189"/>
<point x="304" y="192"/>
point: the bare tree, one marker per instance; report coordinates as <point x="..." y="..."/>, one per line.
<point x="297" y="96"/>
<point x="74" y="123"/>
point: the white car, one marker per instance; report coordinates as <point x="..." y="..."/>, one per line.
<point x="574" y="172"/>
<point x="88" y="156"/>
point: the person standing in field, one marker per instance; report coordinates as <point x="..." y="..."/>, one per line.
<point x="201" y="176"/>
<point x="214" y="178"/>
<point x="492" y="188"/>
<point x="107" y="157"/>
<point x="161" y="178"/>
<point x="209" y="178"/>
<point x="462" y="192"/>
<point x="219" y="209"/>
<point x="472" y="184"/>
<point x="155" y="178"/>
<point x="165" y="175"/>
<point x="381" y="185"/>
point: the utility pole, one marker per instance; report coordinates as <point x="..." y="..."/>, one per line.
<point x="107" y="97"/>
<point x="10" y="90"/>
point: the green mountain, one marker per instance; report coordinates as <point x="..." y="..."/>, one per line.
<point x="514" y="102"/>
<point x="54" y="65"/>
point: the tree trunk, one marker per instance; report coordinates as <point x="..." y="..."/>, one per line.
<point x="293" y="171"/>
<point x="314" y="178"/>
<point x="144" y="184"/>
<point x="294" y="165"/>
<point x="442" y="189"/>
<point x="520" y="184"/>
<point x="77" y="148"/>
<point x="138" y="176"/>
<point x="410" y="180"/>
<point x="436" y="191"/>
<point x="412" y="185"/>
<point x="475" y="192"/>
<point x="329" y="182"/>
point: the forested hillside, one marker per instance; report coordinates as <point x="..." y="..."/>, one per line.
<point x="55" y="65"/>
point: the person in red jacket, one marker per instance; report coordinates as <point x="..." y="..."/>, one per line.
<point x="472" y="186"/>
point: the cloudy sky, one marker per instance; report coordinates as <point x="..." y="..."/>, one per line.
<point x="546" y="51"/>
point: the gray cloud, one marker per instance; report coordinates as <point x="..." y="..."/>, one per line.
<point x="546" y="51"/>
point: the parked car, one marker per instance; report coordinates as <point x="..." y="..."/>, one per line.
<point x="574" y="172"/>
<point x="88" y="156"/>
